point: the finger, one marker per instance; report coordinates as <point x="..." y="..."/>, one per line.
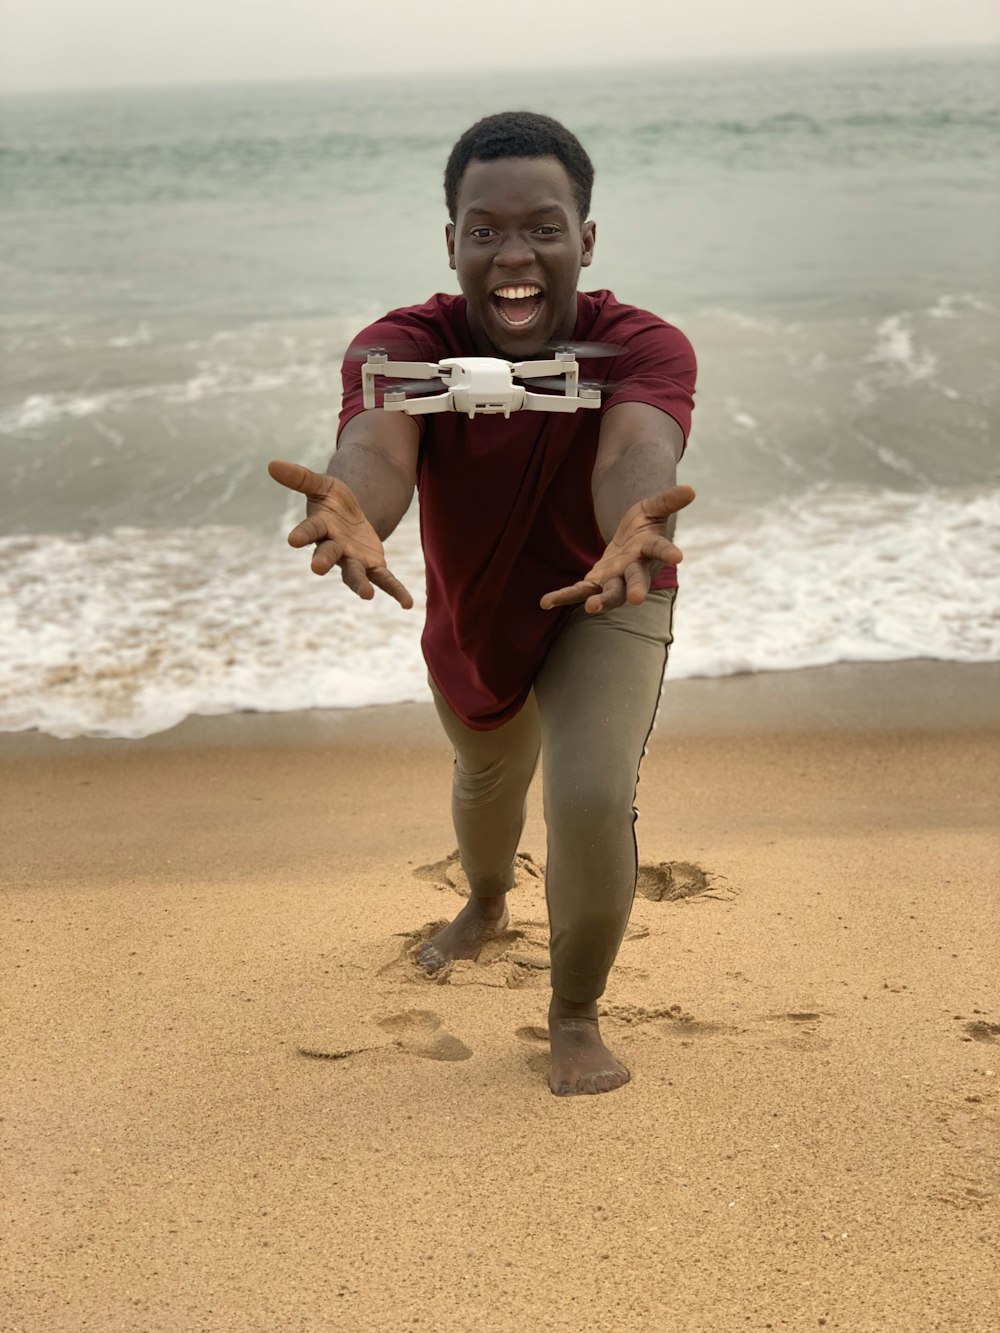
<point x="637" y="581"/>
<point x="387" y="581"/>
<point x="352" y="571"/>
<point x="668" y="502"/>
<point x="570" y="595"/>
<point x="299" y="478"/>
<point x="610" y="596"/>
<point x="326" y="555"/>
<point x="657" y="547"/>
<point x="311" y="529"/>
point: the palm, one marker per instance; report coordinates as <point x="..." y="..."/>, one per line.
<point x="340" y="532"/>
<point x="624" y="572"/>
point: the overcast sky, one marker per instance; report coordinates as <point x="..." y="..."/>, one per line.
<point x="106" y="43"/>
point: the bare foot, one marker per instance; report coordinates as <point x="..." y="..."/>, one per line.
<point x="581" y="1063"/>
<point x="481" y="919"/>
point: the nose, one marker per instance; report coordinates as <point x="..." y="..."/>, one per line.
<point x="514" y="252"/>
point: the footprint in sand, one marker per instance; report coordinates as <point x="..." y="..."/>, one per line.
<point x="537" y="1038"/>
<point x="981" y="1030"/>
<point x="415" y="1032"/>
<point x="971" y="1126"/>
<point x="518" y="957"/>
<point x="670" y="881"/>
<point x="448" y="873"/>
<point x="806" y="1038"/>
<point x="671" y="1019"/>
<point x="533" y="1034"/>
<point x="419" y="1032"/>
<point x="664" y="881"/>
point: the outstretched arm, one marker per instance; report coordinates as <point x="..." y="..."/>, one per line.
<point x="377" y="457"/>
<point x="366" y="490"/>
<point x="635" y="500"/>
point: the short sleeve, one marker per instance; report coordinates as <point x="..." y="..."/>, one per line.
<point x="658" y="367"/>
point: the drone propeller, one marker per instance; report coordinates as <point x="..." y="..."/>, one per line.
<point x="584" y="351"/>
<point x="398" y="351"/>
<point x="558" y="384"/>
<point x="405" y="351"/>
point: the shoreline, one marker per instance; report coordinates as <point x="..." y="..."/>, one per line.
<point x="911" y="695"/>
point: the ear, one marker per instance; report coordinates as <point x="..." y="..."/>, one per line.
<point x="449" y="240"/>
<point x="589" y="238"/>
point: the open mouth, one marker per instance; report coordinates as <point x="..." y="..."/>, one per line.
<point x="518" y="304"/>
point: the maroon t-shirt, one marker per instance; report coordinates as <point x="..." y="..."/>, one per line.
<point x="506" y="512"/>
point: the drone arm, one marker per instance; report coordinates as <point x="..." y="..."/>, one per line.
<point x="404" y="370"/>
<point x="526" y="370"/>
<point x="553" y="402"/>
<point x="410" y="370"/>
<point x="418" y="407"/>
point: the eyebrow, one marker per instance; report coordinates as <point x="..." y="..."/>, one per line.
<point x="535" y="212"/>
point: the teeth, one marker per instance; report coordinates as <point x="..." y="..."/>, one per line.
<point x="518" y="293"/>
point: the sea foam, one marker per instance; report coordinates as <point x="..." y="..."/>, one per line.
<point x="128" y="632"/>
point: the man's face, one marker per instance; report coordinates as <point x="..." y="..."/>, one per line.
<point x="518" y="245"/>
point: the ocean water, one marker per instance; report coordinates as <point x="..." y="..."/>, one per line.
<point x="181" y="271"/>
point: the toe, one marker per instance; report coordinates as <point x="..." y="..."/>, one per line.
<point x="589" y="1085"/>
<point x="430" y="958"/>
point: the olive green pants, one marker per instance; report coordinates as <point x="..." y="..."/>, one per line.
<point x="590" y="714"/>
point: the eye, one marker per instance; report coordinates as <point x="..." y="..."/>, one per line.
<point x="481" y="233"/>
<point x="548" y="229"/>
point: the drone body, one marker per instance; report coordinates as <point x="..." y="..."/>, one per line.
<point x="477" y="385"/>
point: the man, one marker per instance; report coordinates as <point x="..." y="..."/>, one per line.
<point x="550" y="574"/>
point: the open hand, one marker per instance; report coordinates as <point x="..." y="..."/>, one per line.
<point x="630" y="560"/>
<point x="340" y="531"/>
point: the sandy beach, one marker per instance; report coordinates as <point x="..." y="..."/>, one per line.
<point x="232" y="1102"/>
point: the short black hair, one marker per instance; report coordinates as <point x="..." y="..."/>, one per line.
<point x="520" y="134"/>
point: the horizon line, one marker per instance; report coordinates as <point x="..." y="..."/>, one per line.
<point x="410" y="75"/>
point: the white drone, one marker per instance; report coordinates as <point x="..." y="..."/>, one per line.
<point x="478" y="384"/>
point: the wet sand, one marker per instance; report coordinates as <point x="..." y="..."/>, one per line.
<point x="231" y="1102"/>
